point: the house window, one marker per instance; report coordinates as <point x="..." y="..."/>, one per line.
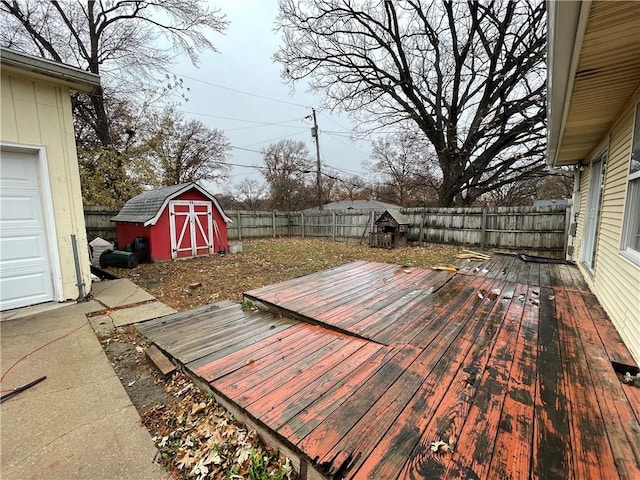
<point x="631" y="232"/>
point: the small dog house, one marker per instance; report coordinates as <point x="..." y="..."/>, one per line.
<point x="390" y="230"/>
<point x="178" y="221"/>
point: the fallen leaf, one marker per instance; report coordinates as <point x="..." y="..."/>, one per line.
<point x="440" y="446"/>
<point x="198" y="408"/>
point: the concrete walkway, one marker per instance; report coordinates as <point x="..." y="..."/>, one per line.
<point x="79" y="422"/>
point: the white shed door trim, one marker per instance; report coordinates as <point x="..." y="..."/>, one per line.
<point x="191" y="227"/>
<point x="29" y="261"/>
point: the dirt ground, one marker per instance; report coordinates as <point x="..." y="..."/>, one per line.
<point x="141" y="379"/>
<point x="186" y="424"/>
<point x="194" y="282"/>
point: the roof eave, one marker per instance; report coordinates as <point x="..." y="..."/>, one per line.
<point x="72" y="77"/>
<point x="564" y="42"/>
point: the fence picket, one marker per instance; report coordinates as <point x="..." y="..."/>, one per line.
<point x="535" y="230"/>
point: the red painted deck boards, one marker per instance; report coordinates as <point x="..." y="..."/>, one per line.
<point x="511" y="360"/>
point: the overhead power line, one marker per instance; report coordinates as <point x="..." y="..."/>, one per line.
<point x="256" y="122"/>
<point x="263" y="97"/>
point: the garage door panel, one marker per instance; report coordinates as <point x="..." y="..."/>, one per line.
<point x="25" y="266"/>
<point x="19" y="171"/>
<point x="21" y="248"/>
<point x="36" y="285"/>
<point x="24" y="208"/>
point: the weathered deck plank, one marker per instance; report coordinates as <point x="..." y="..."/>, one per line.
<point x="480" y="425"/>
<point x="512" y="450"/>
<point x="344" y="378"/>
<point x="212" y="368"/>
<point x="358" y="444"/>
<point x="618" y="421"/>
<point x="512" y="361"/>
<point x="551" y="442"/>
<point x="438" y="408"/>
<point x="589" y="442"/>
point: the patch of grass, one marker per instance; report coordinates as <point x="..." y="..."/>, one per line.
<point x="264" y="262"/>
<point x="261" y="466"/>
<point x="247" y="306"/>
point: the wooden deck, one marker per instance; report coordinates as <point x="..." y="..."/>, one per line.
<point x="510" y="361"/>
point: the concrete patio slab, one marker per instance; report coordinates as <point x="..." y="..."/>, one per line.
<point x="140" y="313"/>
<point x="119" y="293"/>
<point x="79" y="422"/>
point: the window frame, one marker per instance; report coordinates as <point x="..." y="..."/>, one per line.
<point x="626" y="250"/>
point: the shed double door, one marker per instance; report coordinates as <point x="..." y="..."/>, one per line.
<point x="191" y="228"/>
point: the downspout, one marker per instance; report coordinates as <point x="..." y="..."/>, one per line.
<point x="76" y="260"/>
<point x="575" y="211"/>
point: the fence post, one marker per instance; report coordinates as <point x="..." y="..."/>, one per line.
<point x="302" y="222"/>
<point x="333" y="226"/>
<point x="421" y="234"/>
<point x="483" y="240"/>
<point x="239" y="229"/>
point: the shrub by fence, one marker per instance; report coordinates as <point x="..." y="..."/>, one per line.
<point x="534" y="230"/>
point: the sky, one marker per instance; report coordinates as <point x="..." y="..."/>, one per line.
<point x="244" y="64"/>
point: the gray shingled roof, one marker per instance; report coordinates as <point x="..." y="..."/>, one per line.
<point x="148" y="204"/>
<point x="357" y="205"/>
<point x="145" y="206"/>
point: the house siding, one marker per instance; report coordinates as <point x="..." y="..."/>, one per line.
<point x="615" y="280"/>
<point x="38" y="113"/>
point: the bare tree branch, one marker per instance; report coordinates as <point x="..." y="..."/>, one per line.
<point x="468" y="76"/>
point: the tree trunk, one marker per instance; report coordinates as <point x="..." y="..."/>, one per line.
<point x="102" y="122"/>
<point x="449" y="191"/>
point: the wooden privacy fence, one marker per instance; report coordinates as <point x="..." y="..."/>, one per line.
<point x="534" y="230"/>
<point x="98" y="222"/>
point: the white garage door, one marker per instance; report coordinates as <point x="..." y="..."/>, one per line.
<point x="25" y="268"/>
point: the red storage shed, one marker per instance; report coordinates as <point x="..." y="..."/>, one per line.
<point x="179" y="221"/>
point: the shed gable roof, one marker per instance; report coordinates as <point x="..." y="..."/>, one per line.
<point x="147" y="207"/>
<point x="400" y="218"/>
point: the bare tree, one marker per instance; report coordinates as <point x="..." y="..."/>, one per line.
<point x="404" y="163"/>
<point x="186" y="150"/>
<point x="287" y="170"/>
<point x="555" y="186"/>
<point x="353" y="187"/>
<point x="469" y="76"/>
<point x="515" y="194"/>
<point x="249" y="194"/>
<point x="118" y="39"/>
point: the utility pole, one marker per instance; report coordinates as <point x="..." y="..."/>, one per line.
<point x="314" y="134"/>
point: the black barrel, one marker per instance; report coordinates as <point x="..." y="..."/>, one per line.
<point x="140" y="248"/>
<point x="118" y="258"/>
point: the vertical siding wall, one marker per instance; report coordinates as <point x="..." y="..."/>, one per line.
<point x="37" y="113"/>
<point x="615" y="280"/>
